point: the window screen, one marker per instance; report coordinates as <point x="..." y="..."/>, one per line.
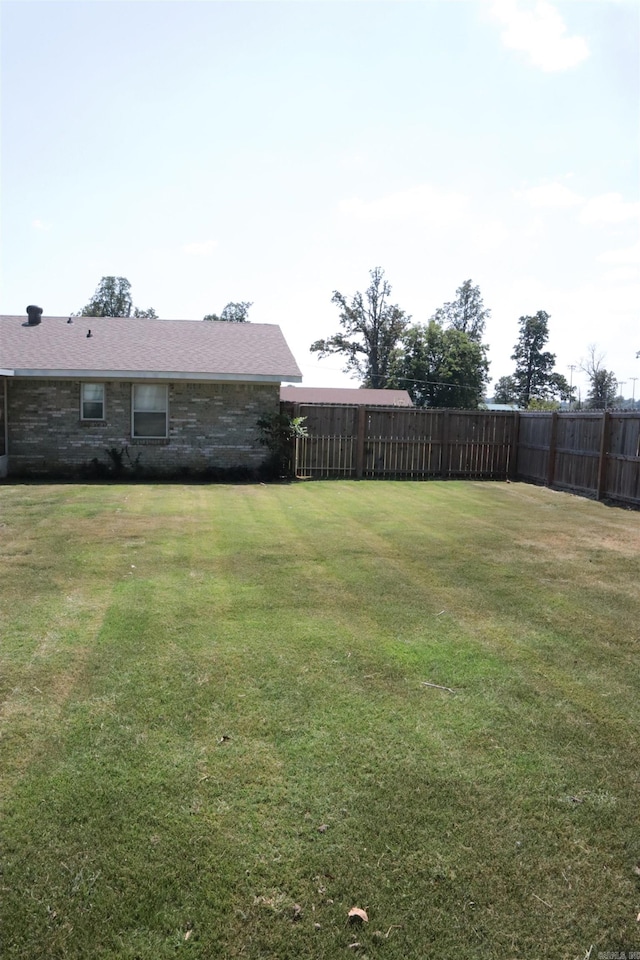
<point x="149" y="410"/>
<point x="92" y="401"/>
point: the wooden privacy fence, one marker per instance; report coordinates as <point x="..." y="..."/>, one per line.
<point x="403" y="442"/>
<point x="594" y="453"/>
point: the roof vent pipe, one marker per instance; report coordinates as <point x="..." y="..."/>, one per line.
<point x="34" y="315"/>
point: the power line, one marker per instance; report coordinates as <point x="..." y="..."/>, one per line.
<point x="437" y="383"/>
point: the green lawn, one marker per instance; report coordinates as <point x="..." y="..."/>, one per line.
<point x="216" y="736"/>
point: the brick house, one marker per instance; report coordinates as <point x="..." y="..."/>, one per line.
<point x="173" y="397"/>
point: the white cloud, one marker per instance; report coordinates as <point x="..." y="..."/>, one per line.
<point x="609" y="208"/>
<point x="40" y="225"/>
<point x="551" y="196"/>
<point x="490" y="235"/>
<point x="540" y="32"/>
<point x="203" y="249"/>
<point x="621" y="275"/>
<point x="602" y="209"/>
<point x="422" y="202"/>
<point x="628" y="255"/>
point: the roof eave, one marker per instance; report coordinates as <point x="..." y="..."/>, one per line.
<point x="154" y="375"/>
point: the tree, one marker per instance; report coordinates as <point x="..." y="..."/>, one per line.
<point x="558" y="387"/>
<point x="534" y="365"/>
<point x="534" y="376"/>
<point x="602" y="382"/>
<point x="232" y="313"/>
<point x="543" y="405"/>
<point x="113" y="299"/>
<point x="505" y="391"/>
<point x="466" y="313"/>
<point x="441" y="367"/>
<point x="602" y="390"/>
<point x="371" y="330"/>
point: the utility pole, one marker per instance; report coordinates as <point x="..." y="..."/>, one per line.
<point x="633" y="395"/>
<point x="572" y="367"/>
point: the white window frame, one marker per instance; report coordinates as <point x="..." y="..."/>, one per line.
<point x="157" y="436"/>
<point x="92" y="383"/>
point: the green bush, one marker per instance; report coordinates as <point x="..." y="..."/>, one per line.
<point x="278" y="433"/>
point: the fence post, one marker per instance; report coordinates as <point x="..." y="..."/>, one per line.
<point x="445" y="452"/>
<point x="296" y="442"/>
<point x="551" y="463"/>
<point x="602" y="463"/>
<point x="360" y="429"/>
<point x="512" y="473"/>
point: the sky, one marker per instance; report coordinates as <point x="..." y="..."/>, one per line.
<point x="274" y="152"/>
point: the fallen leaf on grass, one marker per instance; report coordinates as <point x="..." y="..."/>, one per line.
<point x="357" y="914"/>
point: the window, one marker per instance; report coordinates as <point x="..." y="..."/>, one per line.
<point x="149" y="406"/>
<point x="92" y="401"/>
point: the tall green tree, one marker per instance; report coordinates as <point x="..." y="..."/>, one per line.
<point x="558" y="388"/>
<point x="534" y="377"/>
<point x="232" y="313"/>
<point x="505" y="391"/>
<point x="603" y="390"/>
<point x="441" y="367"/>
<point x="534" y="365"/>
<point x="112" y="298"/>
<point x="372" y="327"/>
<point x="466" y="313"/>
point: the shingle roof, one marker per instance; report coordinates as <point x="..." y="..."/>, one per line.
<point x="362" y="396"/>
<point x="134" y="347"/>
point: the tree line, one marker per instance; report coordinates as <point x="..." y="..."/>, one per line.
<point x="441" y="363"/>
<point x="444" y="363"/>
<point x="112" y="298"/>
